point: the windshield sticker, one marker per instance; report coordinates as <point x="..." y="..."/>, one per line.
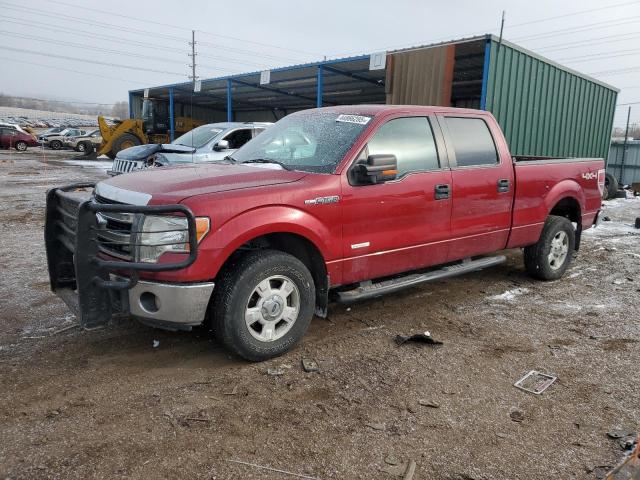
<point x="353" y="119"/>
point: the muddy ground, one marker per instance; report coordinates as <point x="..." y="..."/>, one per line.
<point x="108" y="404"/>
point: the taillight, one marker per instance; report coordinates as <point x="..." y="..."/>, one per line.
<point x="601" y="177"/>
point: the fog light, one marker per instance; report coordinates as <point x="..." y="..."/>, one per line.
<point x="149" y="302"/>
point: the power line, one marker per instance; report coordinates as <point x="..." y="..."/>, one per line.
<point x="84" y="33"/>
<point x="95" y="62"/>
<point x="146" y="20"/>
<point x="573" y="14"/>
<point x="618" y="71"/>
<point x="598" y="56"/>
<point x="55" y="67"/>
<point x="625" y="104"/>
<point x="569" y="45"/>
<point x="590" y="26"/>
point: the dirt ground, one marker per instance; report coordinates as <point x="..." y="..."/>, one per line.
<point x="110" y="404"/>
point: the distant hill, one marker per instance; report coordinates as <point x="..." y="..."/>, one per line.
<point x="117" y="110"/>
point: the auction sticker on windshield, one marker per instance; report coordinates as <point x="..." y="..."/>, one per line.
<point x="353" y="119"/>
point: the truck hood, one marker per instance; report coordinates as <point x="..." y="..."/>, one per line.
<point x="142" y="152"/>
<point x="174" y="184"/>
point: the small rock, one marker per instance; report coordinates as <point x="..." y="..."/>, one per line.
<point x="618" y="282"/>
<point x="428" y="403"/>
<point x="309" y="365"/>
<point x="392" y="460"/>
<point x="375" y="426"/>
<point x="517" y="416"/>
<point x="276" y="372"/>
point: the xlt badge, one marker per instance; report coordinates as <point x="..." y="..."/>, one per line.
<point x="322" y="200"/>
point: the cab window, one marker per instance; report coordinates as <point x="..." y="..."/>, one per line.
<point x="411" y="140"/>
<point x="472" y="142"/>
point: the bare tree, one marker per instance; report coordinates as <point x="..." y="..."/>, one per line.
<point x="120" y="110"/>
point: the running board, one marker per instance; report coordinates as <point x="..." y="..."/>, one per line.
<point x="372" y="290"/>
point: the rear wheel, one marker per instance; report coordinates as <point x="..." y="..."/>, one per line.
<point x="611" y="186"/>
<point x="55" y="144"/>
<point x="263" y="304"/>
<point x="550" y="257"/>
<point x="21" y="146"/>
<point x="81" y="147"/>
<point x="127" y="140"/>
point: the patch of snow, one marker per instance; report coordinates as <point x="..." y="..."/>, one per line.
<point x="510" y="295"/>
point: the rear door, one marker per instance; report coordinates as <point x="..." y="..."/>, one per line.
<point x="482" y="185"/>
<point x="402" y="224"/>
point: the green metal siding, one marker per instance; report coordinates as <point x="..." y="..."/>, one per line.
<point x="546" y="110"/>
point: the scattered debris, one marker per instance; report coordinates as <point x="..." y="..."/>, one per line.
<point x="197" y="419"/>
<point x="64" y="329"/>
<point x="606" y="219"/>
<point x="535" y="382"/>
<point x="517" y="416"/>
<point x="309" y="365"/>
<point x="626" y="437"/>
<point x="375" y="426"/>
<point x="411" y="470"/>
<point x="428" y="403"/>
<point x="276" y="372"/>
<point x="234" y="391"/>
<point x="255" y="465"/>
<point x="423" y="338"/>
<point x="510" y="294"/>
<point x="629" y="468"/>
<point x="156" y="343"/>
<point x="394" y="470"/>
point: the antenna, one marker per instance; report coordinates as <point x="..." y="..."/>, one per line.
<point x="193" y="54"/>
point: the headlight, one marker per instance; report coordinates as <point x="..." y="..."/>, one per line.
<point x="162" y="234"/>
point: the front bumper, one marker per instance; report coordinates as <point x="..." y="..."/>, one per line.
<point x="94" y="286"/>
<point x="173" y="306"/>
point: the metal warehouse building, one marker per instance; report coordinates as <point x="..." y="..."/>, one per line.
<point x="544" y="108"/>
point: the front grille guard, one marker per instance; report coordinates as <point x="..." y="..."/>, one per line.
<point x="78" y="272"/>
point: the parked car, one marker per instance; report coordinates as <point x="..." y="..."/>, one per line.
<point x="84" y="143"/>
<point x="52" y="130"/>
<point x="206" y="143"/>
<point x="12" y="138"/>
<point x="56" y="141"/>
<point x="344" y="203"/>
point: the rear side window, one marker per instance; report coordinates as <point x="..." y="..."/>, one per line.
<point x="411" y="140"/>
<point x="472" y="142"/>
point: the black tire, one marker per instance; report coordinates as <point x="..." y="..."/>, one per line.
<point x="124" y="141"/>
<point x="234" y="293"/>
<point x="536" y="257"/>
<point x="81" y="147"/>
<point x="111" y="155"/>
<point x="611" y="185"/>
<point x="21" y="146"/>
<point x="55" y="144"/>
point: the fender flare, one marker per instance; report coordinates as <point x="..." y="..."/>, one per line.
<point x="257" y="222"/>
<point x="565" y="189"/>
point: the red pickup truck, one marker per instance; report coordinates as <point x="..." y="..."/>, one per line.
<point x="341" y="203"/>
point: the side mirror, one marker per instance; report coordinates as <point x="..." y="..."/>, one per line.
<point x="221" y="145"/>
<point x="377" y="169"/>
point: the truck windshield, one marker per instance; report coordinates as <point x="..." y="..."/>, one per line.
<point x="311" y="142"/>
<point x="198" y="137"/>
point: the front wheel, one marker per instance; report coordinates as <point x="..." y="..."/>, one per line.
<point x="550" y="257"/>
<point x="263" y="304"/>
<point x="56" y="144"/>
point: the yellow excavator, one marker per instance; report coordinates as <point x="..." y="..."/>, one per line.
<point x="153" y="127"/>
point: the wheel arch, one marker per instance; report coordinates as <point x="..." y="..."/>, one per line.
<point x="295" y="244"/>
<point x="567" y="199"/>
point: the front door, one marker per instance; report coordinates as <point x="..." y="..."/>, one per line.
<point x="402" y="224"/>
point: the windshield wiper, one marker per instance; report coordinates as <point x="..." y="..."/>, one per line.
<point x="266" y="160"/>
<point x="229" y="158"/>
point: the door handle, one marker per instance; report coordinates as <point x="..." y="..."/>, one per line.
<point x="442" y="191"/>
<point x="503" y="185"/>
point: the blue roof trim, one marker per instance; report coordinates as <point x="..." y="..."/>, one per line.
<point x="250" y="74"/>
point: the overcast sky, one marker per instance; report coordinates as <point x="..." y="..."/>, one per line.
<point x="43" y="41"/>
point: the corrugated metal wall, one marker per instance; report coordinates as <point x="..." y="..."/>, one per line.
<point x="546" y="110"/>
<point x="630" y="172"/>
<point x="421" y="77"/>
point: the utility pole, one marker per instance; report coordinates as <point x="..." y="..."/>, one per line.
<point x="193" y="54"/>
<point x="624" y="146"/>
<point x="501" y="30"/>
